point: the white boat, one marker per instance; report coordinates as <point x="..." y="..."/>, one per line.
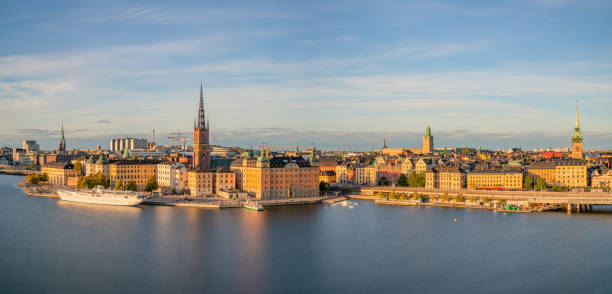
<point x="252" y="205"/>
<point x="101" y="196"/>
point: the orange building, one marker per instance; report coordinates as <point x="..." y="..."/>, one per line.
<point x="276" y="178"/>
<point x="60" y="173"/>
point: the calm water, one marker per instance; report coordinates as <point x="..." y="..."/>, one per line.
<point x="50" y="246"/>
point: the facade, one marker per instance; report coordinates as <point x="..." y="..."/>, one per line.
<point x="423" y="164"/>
<point x="122" y="144"/>
<point x="495" y="179"/>
<point x="276" y="178"/>
<point x="428" y="142"/>
<point x="171" y="176"/>
<point x="99" y="166"/>
<point x="602" y="180"/>
<point x="327" y="177"/>
<point x="571" y="173"/>
<point x="577" y="140"/>
<point x="432" y="178"/>
<point x="546" y="170"/>
<point x="407" y="166"/>
<point x="138" y="171"/>
<point x="342" y="173"/>
<point x="201" y="183"/>
<point x="59" y="173"/>
<point x="225" y="180"/>
<point x="201" y="148"/>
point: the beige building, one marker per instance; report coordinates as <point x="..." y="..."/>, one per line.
<point x="495" y="179"/>
<point x="407" y="166"/>
<point x="201" y="183"/>
<point x="92" y="167"/>
<point x="571" y="173"/>
<point x="423" y="164"/>
<point x="276" y="178"/>
<point x="59" y="173"/>
<point x="602" y="180"/>
<point x="172" y="176"/>
<point x="547" y="170"/>
<point x="138" y="171"/>
<point x="447" y="178"/>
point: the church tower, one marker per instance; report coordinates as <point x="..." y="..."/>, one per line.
<point x="577" y="139"/>
<point x="427" y="141"/>
<point x="201" y="149"/>
<point x="62" y="142"/>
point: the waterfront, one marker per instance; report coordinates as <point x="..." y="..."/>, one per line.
<point x="54" y="246"/>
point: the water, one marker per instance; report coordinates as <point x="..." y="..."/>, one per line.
<point x="50" y="246"/>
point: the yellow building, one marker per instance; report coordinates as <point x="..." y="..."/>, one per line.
<point x="495" y="179"/>
<point x="327" y="177"/>
<point x="546" y="170"/>
<point x="59" y="173"/>
<point x="276" y="178"/>
<point x="225" y="180"/>
<point x="571" y="173"/>
<point x="447" y="178"/>
<point x="200" y="183"/>
<point x="138" y="171"/>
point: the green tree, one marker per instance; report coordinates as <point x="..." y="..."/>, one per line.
<point x="541" y="184"/>
<point x="528" y="182"/>
<point x="413" y="179"/>
<point x="393" y="195"/>
<point x="383" y="181"/>
<point x="151" y="184"/>
<point x="402" y="180"/>
<point x="459" y="198"/>
<point x="43" y="177"/>
<point x="78" y="166"/>
<point x="100" y="180"/>
<point x="119" y="185"/>
<point x="131" y="185"/>
<point x="421" y="180"/>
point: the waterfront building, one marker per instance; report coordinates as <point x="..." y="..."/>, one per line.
<point x="447" y="178"/>
<point x="342" y="173"/>
<point x="602" y="179"/>
<point x="171" y="176"/>
<point x="201" y="183"/>
<point x="224" y="180"/>
<point x="547" y="170"/>
<point x="201" y="148"/>
<point x="62" y="143"/>
<point x="327" y="177"/>
<point x="30" y="145"/>
<point x="119" y="145"/>
<point x="571" y="173"/>
<point x="407" y="166"/>
<point x="60" y="173"/>
<point x="277" y="177"/>
<point x="495" y="179"/>
<point x="138" y="171"/>
<point x="98" y="166"/>
<point x="577" y="140"/>
<point x="428" y="141"/>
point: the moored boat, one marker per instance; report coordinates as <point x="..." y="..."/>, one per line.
<point x="101" y="196"/>
<point x="252" y="205"/>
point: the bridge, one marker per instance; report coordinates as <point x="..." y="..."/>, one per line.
<point x="579" y="200"/>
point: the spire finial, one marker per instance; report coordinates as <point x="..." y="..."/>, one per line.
<point x="577" y="121"/>
<point x="201" y="122"/>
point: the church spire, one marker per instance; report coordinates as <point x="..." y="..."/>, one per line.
<point x="62" y="142"/>
<point x="577" y="121"/>
<point x="201" y="122"/>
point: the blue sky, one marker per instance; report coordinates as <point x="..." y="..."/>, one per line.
<point x="339" y="74"/>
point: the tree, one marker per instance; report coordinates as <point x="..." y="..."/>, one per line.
<point x="151" y="184"/>
<point x="119" y="185"/>
<point x="421" y="180"/>
<point x="393" y="195"/>
<point x="32" y="179"/>
<point x="528" y="182"/>
<point x="380" y="194"/>
<point x="473" y="199"/>
<point x="402" y="180"/>
<point x="43" y="177"/>
<point x="501" y="202"/>
<point x="323" y="187"/>
<point x="100" y="180"/>
<point x="32" y="165"/>
<point x="383" y="181"/>
<point x="78" y="166"/>
<point x="131" y="185"/>
<point x="486" y="200"/>
<point x="459" y="198"/>
<point x="173" y="191"/>
<point x="541" y="184"/>
<point x="445" y="197"/>
<point x="403" y="197"/>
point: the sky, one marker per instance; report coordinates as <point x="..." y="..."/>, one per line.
<point x="336" y="74"/>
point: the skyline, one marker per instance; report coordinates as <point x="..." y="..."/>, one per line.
<point x="309" y="69"/>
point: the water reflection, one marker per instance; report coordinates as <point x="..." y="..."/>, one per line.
<point x="252" y="227"/>
<point x="98" y="209"/>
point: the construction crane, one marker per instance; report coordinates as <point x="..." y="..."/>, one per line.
<point x="184" y="142"/>
<point x="173" y="139"/>
<point x="178" y="137"/>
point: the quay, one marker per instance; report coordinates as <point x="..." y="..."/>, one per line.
<point x="12" y="170"/>
<point x="531" y="200"/>
<point x="335" y="200"/>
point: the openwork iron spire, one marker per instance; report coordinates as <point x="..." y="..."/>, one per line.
<point x="201" y="121"/>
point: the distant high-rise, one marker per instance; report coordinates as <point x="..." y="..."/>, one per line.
<point x="427" y="141"/>
<point x="577" y="139"/>
<point x="62" y="143"/>
<point x="201" y="151"/>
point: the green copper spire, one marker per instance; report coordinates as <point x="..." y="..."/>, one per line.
<point x="62" y="143"/>
<point x="126" y="154"/>
<point x="577" y="137"/>
<point x="428" y="131"/>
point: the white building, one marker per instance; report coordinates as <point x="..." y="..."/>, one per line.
<point x="118" y="145"/>
<point x="30" y="145"/>
<point x="172" y="176"/>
